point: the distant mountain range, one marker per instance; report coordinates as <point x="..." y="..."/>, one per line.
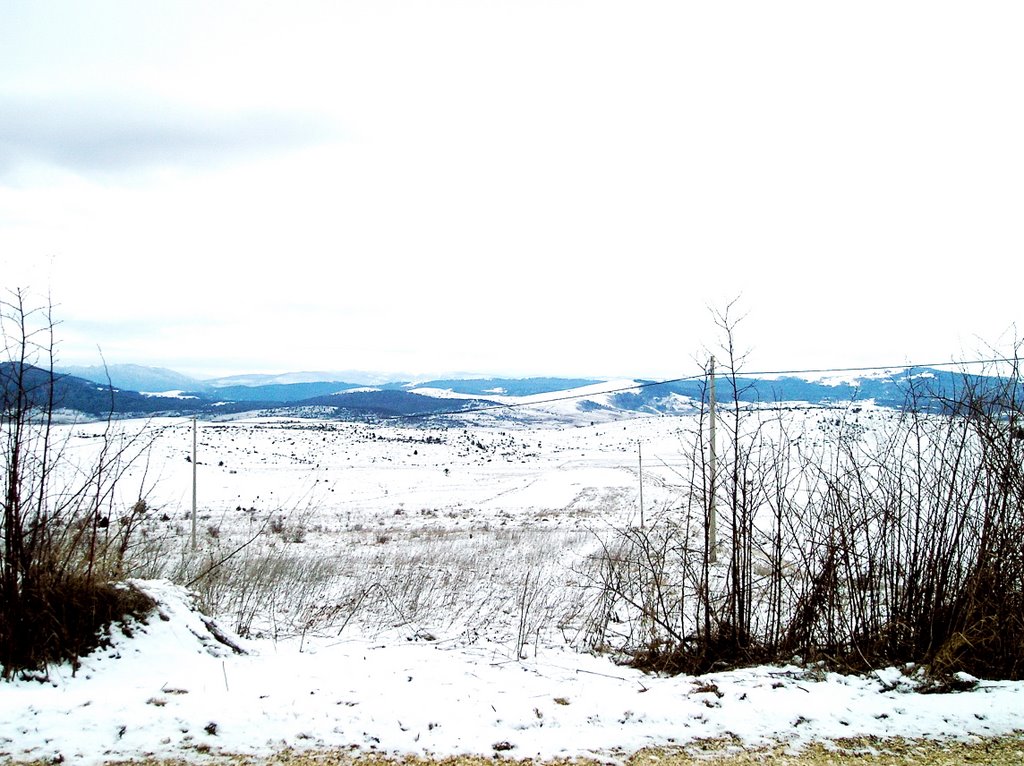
<point x="134" y="377"/>
<point x="132" y="390"/>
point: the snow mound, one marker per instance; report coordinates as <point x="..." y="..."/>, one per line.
<point x="179" y="607"/>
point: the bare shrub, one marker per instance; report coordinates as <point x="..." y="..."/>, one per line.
<point x="65" y="532"/>
<point x="67" y="616"/>
<point x="505" y="583"/>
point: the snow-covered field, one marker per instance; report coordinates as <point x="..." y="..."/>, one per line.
<point x="420" y="590"/>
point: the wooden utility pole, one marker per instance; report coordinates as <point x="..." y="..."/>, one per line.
<point x="195" y="440"/>
<point x="640" y="460"/>
<point x="712" y="531"/>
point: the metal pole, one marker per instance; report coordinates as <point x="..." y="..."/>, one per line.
<point x="195" y="440"/>
<point x="712" y="531"/>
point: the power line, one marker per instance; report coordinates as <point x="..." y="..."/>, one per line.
<point x="904" y="366"/>
<point x="563" y="398"/>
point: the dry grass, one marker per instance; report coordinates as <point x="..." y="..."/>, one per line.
<point x="998" y="751"/>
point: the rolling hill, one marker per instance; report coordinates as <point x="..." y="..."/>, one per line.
<point x="348" y="400"/>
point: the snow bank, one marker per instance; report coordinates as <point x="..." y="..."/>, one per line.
<point x="178" y="685"/>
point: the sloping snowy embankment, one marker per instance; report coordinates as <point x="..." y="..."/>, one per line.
<point x="173" y="689"/>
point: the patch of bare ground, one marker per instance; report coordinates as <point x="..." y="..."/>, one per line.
<point x="998" y="751"/>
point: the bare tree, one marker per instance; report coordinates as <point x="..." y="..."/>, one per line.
<point x="859" y="546"/>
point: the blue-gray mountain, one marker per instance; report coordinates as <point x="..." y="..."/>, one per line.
<point x="135" y="377"/>
<point x="923" y="387"/>
<point x="927" y="388"/>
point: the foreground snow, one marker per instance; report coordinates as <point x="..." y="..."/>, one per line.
<point x="172" y="688"/>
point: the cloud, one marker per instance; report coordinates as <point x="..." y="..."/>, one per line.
<point x="109" y="136"/>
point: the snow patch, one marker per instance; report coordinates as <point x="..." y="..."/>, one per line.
<point x="173" y="394"/>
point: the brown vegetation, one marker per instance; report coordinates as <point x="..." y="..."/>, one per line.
<point x="64" y="537"/>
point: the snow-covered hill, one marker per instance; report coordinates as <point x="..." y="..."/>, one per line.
<point x="540" y="398"/>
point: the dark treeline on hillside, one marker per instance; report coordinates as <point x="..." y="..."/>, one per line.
<point x="44" y="389"/>
<point x="390" y="404"/>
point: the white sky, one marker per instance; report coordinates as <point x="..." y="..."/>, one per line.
<point x="528" y="187"/>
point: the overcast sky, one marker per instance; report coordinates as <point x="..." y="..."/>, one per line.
<point x="527" y="187"/>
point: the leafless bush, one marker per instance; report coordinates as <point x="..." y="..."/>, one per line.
<point x="66" y="534"/>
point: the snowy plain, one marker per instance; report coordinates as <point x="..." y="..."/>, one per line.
<point x="442" y="618"/>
